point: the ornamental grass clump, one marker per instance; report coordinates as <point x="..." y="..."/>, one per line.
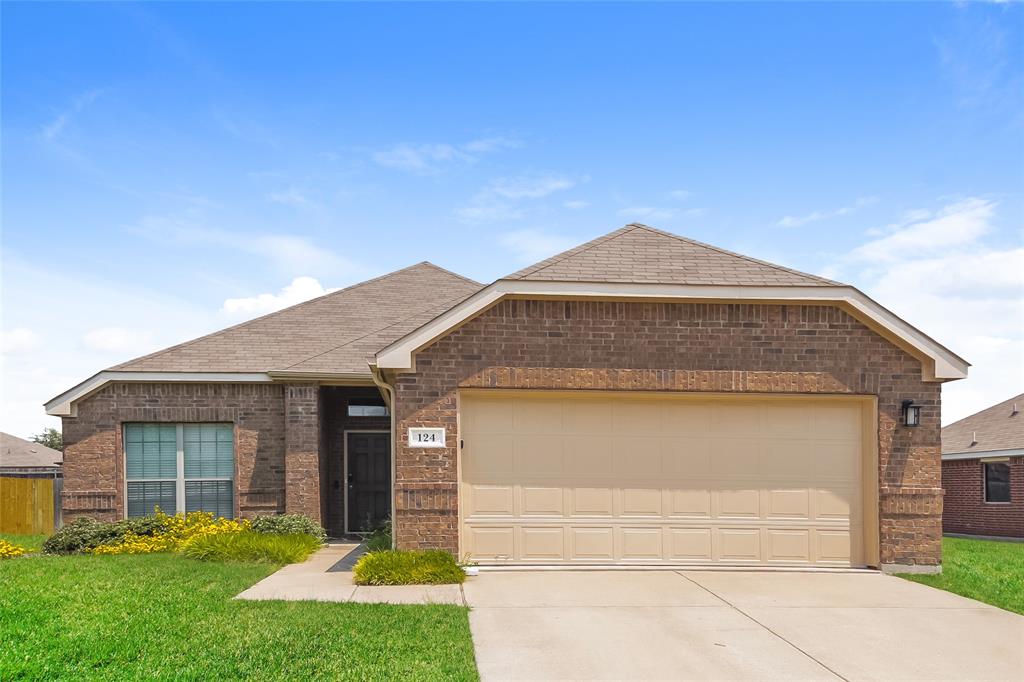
<point x="9" y="550"/>
<point x="251" y="546"/>
<point x="408" y="567"/>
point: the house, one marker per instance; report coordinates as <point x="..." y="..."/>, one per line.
<point x="640" y="399"/>
<point x="983" y="472"/>
<point x="30" y="486"/>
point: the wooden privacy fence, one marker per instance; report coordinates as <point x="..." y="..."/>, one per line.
<point x="29" y="505"/>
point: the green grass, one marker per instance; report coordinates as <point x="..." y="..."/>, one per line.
<point x="986" y="570"/>
<point x="162" y="616"/>
<point x="408" y="567"/>
<point x="250" y="546"/>
<point x="32" y="543"/>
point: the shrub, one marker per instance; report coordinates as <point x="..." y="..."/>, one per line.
<point x="251" y="546"/>
<point x="84" y="534"/>
<point x="404" y="567"/>
<point x="9" y="550"/>
<point x="289" y="524"/>
<point x="380" y="539"/>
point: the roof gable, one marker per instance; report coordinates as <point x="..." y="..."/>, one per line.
<point x="999" y="427"/>
<point x="641" y="254"/>
<point x="345" y="326"/>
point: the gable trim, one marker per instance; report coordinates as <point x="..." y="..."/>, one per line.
<point x="938" y="362"/>
<point x="64" y="404"/>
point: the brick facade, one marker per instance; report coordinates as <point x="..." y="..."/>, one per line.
<point x="302" y="450"/>
<point x="94" y="455"/>
<point x="671" y="347"/>
<point x="965" y="508"/>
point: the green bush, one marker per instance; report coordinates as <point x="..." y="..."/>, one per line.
<point x="289" y="524"/>
<point x="84" y="533"/>
<point x="405" y="567"/>
<point x="380" y="539"/>
<point x="249" y="546"/>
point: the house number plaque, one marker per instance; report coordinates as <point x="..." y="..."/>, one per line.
<point x="426" y="438"/>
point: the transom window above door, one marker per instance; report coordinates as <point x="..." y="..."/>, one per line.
<point x="180" y="468"/>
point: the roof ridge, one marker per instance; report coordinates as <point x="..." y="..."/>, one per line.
<point x="185" y="344"/>
<point x="453" y="274"/>
<point x="380" y="329"/>
<point x="727" y="252"/>
<point x="574" y="251"/>
<point x="1012" y="398"/>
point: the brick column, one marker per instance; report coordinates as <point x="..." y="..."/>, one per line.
<point x="302" y="450"/>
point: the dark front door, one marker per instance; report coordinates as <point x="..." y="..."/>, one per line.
<point x="369" y="480"/>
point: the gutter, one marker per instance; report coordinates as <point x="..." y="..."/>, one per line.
<point x="389" y="399"/>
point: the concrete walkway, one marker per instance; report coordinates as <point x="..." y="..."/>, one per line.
<point x="327" y="576"/>
<point x="659" y="625"/>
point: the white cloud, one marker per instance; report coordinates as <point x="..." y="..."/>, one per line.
<point x="502" y="198"/>
<point x="576" y="204"/>
<point x="290" y="197"/>
<point x="433" y="158"/>
<point x="797" y="221"/>
<point x="956" y="225"/>
<point x="301" y="289"/>
<point x="647" y="213"/>
<point x="54" y="128"/>
<point x="119" y="340"/>
<point x="19" y="340"/>
<point x="421" y="158"/>
<point x="936" y="270"/>
<point x="535" y="245"/>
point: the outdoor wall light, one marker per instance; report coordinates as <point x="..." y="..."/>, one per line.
<point x="911" y="413"/>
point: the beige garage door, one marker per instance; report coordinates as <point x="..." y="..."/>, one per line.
<point x="594" y="478"/>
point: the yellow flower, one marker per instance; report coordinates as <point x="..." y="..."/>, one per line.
<point x="9" y="550"/>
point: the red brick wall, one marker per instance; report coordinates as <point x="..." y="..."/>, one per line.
<point x="302" y="450"/>
<point x="965" y="508"/>
<point x="94" y="459"/>
<point x="671" y="347"/>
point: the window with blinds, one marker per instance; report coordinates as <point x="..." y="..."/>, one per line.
<point x="180" y="468"/>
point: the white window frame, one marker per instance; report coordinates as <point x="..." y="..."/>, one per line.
<point x="179" y="480"/>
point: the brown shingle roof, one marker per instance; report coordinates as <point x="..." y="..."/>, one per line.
<point x="995" y="428"/>
<point x="641" y="254"/>
<point x="334" y="333"/>
<point x="19" y="453"/>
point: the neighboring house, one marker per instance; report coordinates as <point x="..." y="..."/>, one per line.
<point x="983" y="472"/>
<point x="639" y="399"/>
<point x="30" y="486"/>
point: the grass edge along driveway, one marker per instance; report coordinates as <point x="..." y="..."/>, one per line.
<point x="165" y="616"/>
<point x="991" y="571"/>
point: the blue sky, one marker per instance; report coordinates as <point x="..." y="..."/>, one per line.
<point x="169" y="169"/>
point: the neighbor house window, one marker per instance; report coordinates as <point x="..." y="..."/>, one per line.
<point x="367" y="407"/>
<point x="180" y="468"/>
<point x="997" y="482"/>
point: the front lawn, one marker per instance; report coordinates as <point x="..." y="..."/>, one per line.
<point x="986" y="570"/>
<point x="167" y="616"/>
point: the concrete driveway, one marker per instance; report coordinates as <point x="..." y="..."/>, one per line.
<point x="718" y="625"/>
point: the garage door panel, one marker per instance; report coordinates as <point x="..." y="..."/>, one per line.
<point x="641" y="501"/>
<point x="592" y="543"/>
<point x="789" y="545"/>
<point x="789" y="503"/>
<point x="639" y="479"/>
<point x="542" y="542"/>
<point x="693" y="502"/>
<point x="739" y="544"/>
<point x="592" y="502"/>
<point x="640" y="543"/>
<point x="587" y="455"/>
<point x="739" y="504"/>
<point x="689" y="544"/>
<point x="636" y="456"/>
<point x="542" y="501"/>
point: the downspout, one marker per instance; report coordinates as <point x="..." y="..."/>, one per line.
<point x="388" y="392"/>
